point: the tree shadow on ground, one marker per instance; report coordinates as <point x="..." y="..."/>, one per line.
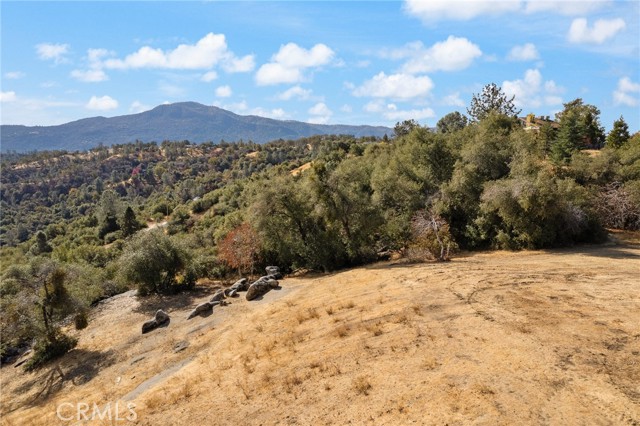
<point x="77" y="367"/>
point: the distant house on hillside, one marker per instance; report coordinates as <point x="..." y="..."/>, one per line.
<point x="531" y="123"/>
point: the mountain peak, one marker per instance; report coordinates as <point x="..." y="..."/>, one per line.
<point x="191" y="121"/>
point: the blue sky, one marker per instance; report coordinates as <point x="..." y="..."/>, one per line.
<point x="325" y="62"/>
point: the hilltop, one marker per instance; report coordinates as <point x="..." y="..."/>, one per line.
<point x="494" y="338"/>
<point x="179" y="121"/>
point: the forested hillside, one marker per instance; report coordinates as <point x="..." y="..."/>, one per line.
<point x="77" y="227"/>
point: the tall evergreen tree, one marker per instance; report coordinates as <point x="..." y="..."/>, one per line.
<point x="619" y="135"/>
<point x="568" y="140"/>
<point x="129" y="223"/>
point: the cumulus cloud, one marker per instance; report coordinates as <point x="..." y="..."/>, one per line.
<point x="207" y="52"/>
<point x="602" y="30"/>
<point x="295" y="92"/>
<point x="455" y="53"/>
<point x="624" y="93"/>
<point x="137" y="107"/>
<point x="224" y="92"/>
<point x="456" y="10"/>
<point x="290" y="62"/>
<point x="104" y="103"/>
<point x="391" y="112"/>
<point x="52" y="51"/>
<point x="566" y="7"/>
<point x="209" y="76"/>
<point x="8" y="96"/>
<point x="526" y="52"/>
<point x="245" y="64"/>
<point x="89" y="76"/>
<point x="532" y="91"/>
<point x="320" y="113"/>
<point x="395" y="86"/>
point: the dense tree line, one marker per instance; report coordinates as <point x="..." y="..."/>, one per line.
<point x="317" y="203"/>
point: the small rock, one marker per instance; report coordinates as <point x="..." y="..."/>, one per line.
<point x="201" y="309"/>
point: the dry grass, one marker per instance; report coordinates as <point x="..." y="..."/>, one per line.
<point x="508" y="338"/>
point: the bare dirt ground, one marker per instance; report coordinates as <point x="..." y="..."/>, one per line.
<point x="542" y="337"/>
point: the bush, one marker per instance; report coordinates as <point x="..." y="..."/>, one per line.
<point x="155" y="264"/>
<point x="431" y="238"/>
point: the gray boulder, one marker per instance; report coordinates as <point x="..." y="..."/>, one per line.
<point x="275" y="271"/>
<point x="201" y="309"/>
<point x="218" y="296"/>
<point x="241" y="285"/>
<point x="261" y="287"/>
<point x="161" y="318"/>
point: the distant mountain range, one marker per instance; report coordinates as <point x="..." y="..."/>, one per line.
<point x="180" y="121"/>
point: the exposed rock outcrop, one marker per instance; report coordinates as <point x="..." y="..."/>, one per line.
<point x="161" y="318"/>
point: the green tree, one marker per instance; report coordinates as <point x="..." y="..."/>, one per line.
<point x="568" y="140"/>
<point x="587" y="123"/>
<point x="45" y="302"/>
<point x="154" y="263"/>
<point x="492" y="99"/>
<point x="41" y="245"/>
<point x="619" y="135"/>
<point x="405" y="127"/>
<point x="128" y="223"/>
<point x="452" y="122"/>
<point x="107" y="213"/>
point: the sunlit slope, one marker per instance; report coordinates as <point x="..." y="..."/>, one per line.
<point x="499" y="338"/>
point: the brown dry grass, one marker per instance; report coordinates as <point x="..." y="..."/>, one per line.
<point x="494" y="338"/>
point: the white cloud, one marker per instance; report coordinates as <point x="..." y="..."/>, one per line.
<point x="346" y="108"/>
<point x="320" y="113"/>
<point x="209" y="76"/>
<point x="566" y="7"/>
<point x="8" y="96"/>
<point x="458" y="10"/>
<point x="224" y="91"/>
<point x="289" y="63"/>
<point x="624" y="93"/>
<point x="602" y="30"/>
<point x="532" y="91"/>
<point x="14" y="75"/>
<point x="430" y="11"/>
<point x="207" y="52"/>
<point x="244" y="64"/>
<point x="103" y="103"/>
<point x="526" y="52"/>
<point x="137" y="107"/>
<point x="453" y="100"/>
<point x="455" y="53"/>
<point x="295" y="92"/>
<point x="395" y="114"/>
<point x="52" y="51"/>
<point x="391" y="112"/>
<point x="395" y="86"/>
<point x="89" y="76"/>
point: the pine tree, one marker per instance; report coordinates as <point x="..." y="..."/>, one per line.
<point x="129" y="223"/>
<point x="619" y="135"/>
<point x="568" y="140"/>
<point x="492" y="99"/>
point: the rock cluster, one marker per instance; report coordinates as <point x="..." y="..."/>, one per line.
<point x="257" y="289"/>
